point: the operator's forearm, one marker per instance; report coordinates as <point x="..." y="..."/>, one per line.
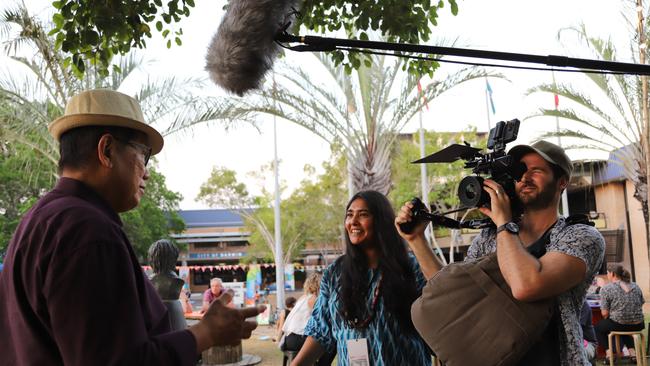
<point x="520" y="269"/>
<point x="429" y="263"/>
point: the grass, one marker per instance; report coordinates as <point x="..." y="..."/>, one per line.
<point x="265" y="347"/>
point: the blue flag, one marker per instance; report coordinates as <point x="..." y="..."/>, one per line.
<point x="489" y="93"/>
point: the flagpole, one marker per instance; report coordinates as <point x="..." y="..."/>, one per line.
<point x="423" y="175"/>
<point x="487" y="104"/>
<point x="565" y="198"/>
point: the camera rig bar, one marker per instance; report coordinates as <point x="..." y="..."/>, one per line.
<point x="420" y="214"/>
<point x="444" y="221"/>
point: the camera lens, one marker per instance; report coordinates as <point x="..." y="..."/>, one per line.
<point x="471" y="193"/>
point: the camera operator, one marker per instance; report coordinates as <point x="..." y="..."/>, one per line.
<point x="573" y="253"/>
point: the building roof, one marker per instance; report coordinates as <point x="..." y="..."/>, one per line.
<point x="615" y="168"/>
<point x="598" y="172"/>
<point x="211" y="218"/>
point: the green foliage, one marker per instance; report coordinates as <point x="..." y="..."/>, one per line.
<point x="443" y="179"/>
<point x="155" y="217"/>
<point x="311" y="214"/>
<point x="19" y="191"/>
<point x="94" y="31"/>
<point x="396" y="21"/>
<point x="29" y="155"/>
<point x="222" y="189"/>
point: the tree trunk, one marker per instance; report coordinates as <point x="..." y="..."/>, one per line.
<point x="370" y="174"/>
<point x="645" y="137"/>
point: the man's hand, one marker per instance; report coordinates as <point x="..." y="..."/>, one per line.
<point x="500" y="211"/>
<point x="403" y="216"/>
<point x="222" y="325"/>
<point x="429" y="264"/>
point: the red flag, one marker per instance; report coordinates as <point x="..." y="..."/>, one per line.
<point x="557" y="101"/>
<point x="426" y="103"/>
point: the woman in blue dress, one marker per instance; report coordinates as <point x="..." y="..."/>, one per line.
<point x="366" y="295"/>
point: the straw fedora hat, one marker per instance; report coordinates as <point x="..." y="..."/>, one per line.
<point x="104" y="107"/>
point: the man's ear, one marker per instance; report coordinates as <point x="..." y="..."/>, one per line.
<point x="563" y="183"/>
<point x="105" y="149"/>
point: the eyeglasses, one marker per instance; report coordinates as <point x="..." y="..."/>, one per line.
<point x="142" y="148"/>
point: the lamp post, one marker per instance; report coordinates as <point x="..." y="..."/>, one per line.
<point x="279" y="260"/>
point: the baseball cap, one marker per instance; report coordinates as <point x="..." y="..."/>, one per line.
<point x="552" y="153"/>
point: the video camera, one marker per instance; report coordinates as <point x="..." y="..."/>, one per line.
<point x="497" y="164"/>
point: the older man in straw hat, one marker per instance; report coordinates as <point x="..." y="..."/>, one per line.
<point x="72" y="291"/>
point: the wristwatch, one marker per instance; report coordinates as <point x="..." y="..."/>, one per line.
<point x="511" y="227"/>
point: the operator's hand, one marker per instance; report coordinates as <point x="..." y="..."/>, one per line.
<point x="222" y="325"/>
<point x="403" y="216"/>
<point x="500" y="211"/>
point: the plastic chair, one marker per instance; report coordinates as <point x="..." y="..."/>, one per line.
<point x="288" y="357"/>
<point x="639" y="346"/>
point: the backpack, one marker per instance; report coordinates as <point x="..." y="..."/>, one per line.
<point x="468" y="316"/>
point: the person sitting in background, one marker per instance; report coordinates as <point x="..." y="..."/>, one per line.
<point x="211" y="294"/>
<point x="588" y="333"/>
<point x="184" y="298"/>
<point x="289" y="303"/>
<point x="621" y="303"/>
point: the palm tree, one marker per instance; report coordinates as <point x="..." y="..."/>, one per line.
<point x="35" y="95"/>
<point x="612" y="124"/>
<point x="364" y="112"/>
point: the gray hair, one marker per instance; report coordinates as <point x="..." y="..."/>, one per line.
<point x="216" y="279"/>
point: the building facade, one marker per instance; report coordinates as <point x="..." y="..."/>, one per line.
<point x="212" y="245"/>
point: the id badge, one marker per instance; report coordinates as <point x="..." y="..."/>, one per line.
<point x="358" y="352"/>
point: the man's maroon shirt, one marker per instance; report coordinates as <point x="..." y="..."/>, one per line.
<point x="72" y="291"/>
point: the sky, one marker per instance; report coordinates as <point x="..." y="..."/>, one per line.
<point x="502" y="25"/>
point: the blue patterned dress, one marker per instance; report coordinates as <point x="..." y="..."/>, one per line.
<point x="387" y="344"/>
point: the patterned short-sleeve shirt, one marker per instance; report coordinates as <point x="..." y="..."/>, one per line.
<point x="624" y="307"/>
<point x="387" y="344"/>
<point x="579" y="241"/>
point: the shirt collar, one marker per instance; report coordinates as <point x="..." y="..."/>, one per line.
<point x="73" y="187"/>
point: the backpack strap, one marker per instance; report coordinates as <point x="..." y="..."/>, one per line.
<point x="579" y="219"/>
<point x="538" y="248"/>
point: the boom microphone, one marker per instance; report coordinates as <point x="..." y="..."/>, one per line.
<point x="243" y="49"/>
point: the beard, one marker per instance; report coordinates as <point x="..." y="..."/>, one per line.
<point x="538" y="199"/>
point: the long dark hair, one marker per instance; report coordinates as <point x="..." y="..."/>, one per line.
<point x="398" y="290"/>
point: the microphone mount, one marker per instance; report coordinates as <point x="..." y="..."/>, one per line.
<point x="321" y="44"/>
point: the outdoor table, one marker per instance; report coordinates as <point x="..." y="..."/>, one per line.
<point x="195" y="315"/>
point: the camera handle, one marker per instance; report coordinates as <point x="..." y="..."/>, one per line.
<point x="420" y="214"/>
